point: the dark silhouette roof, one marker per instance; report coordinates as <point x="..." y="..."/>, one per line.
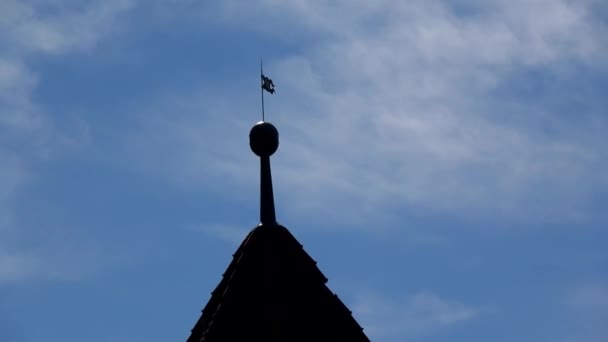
<point x="272" y="289"/>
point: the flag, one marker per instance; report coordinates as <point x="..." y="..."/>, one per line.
<point x="267" y="84"/>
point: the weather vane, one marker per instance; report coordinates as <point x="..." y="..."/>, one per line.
<point x="266" y="85"/>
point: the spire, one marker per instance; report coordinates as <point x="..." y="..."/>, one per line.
<point x="273" y="290"/>
<point x="264" y="141"/>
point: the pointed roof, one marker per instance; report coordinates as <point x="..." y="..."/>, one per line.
<point x="272" y="289"/>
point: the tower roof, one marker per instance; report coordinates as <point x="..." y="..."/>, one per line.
<point x="272" y="289"/>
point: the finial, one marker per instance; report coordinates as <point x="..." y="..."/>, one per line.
<point x="264" y="141"/>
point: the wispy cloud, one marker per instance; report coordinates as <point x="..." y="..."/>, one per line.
<point x="59" y="26"/>
<point x="411" y="315"/>
<point x="29" y="134"/>
<point x="411" y="113"/>
<point x="30" y="28"/>
<point x="412" y="105"/>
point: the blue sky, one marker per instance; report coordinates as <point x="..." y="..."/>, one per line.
<point x="444" y="162"/>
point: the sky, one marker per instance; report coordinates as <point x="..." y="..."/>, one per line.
<point x="444" y="162"/>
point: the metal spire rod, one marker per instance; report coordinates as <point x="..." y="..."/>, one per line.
<point x="261" y="87"/>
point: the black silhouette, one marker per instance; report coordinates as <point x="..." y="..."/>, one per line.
<point x="272" y="289"/>
<point x="267" y="84"/>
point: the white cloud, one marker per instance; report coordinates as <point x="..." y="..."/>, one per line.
<point x="58" y="26"/>
<point x="392" y="105"/>
<point x="19" y="115"/>
<point x="408" y="316"/>
<point x="28" y="27"/>
<point x="28" y="133"/>
<point x="397" y="104"/>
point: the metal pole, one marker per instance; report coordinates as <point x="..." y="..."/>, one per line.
<point x="262" y="87"/>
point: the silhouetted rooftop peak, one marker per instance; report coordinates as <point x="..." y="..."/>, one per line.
<point x="273" y="290"/>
